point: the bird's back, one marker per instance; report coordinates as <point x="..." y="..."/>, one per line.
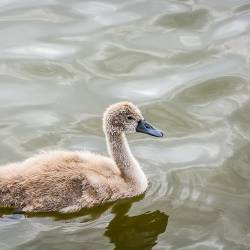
<point x="59" y="180"/>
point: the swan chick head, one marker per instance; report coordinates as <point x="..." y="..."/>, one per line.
<point x="121" y="117"/>
<point x="125" y="117"/>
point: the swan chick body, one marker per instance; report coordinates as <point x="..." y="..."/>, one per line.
<point x="68" y="181"/>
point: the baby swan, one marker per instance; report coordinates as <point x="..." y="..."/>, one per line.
<point x="67" y="181"/>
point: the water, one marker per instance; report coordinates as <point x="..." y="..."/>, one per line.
<point x="185" y="63"/>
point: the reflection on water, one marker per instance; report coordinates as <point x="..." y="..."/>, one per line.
<point x="185" y="63"/>
<point x="135" y="232"/>
<point x="124" y="231"/>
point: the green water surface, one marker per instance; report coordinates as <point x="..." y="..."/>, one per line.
<point x="186" y="64"/>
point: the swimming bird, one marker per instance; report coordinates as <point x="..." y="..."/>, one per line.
<point x="66" y="181"/>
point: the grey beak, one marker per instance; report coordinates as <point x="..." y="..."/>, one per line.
<point x="146" y="128"/>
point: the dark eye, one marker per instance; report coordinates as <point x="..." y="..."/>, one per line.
<point x="130" y="118"/>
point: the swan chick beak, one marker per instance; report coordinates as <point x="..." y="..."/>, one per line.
<point x="146" y="128"/>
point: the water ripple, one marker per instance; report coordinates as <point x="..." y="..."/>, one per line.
<point x="45" y="51"/>
<point x="171" y="84"/>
